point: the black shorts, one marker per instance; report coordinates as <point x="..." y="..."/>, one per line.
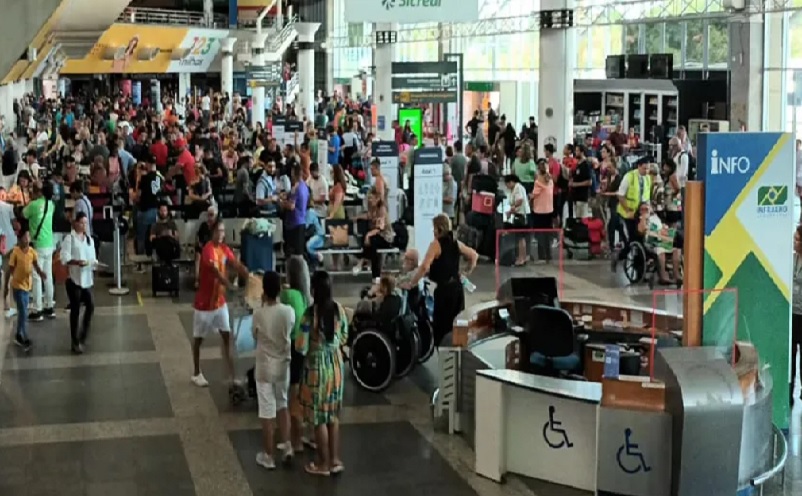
<point x="296" y="367"/>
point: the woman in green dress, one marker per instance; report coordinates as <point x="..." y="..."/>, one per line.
<point x="323" y="329"/>
<point x="296" y="295"/>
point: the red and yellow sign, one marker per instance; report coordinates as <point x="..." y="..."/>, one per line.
<point x="132" y="49"/>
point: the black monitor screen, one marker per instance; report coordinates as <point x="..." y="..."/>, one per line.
<point x="530" y="291"/>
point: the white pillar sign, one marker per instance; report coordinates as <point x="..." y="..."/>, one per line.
<point x="387" y="153"/>
<point x="428" y="194"/>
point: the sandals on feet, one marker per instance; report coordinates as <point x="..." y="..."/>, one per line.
<point x="337" y="468"/>
<point x="313" y="469"/>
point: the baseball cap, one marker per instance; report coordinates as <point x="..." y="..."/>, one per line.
<point x="180" y="143"/>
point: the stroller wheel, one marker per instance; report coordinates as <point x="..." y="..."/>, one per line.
<point x="426" y="339"/>
<point x="372" y="360"/>
<point x="407" y="351"/>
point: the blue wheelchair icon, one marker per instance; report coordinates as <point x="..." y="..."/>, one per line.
<point x="555" y="426"/>
<point x="631" y="450"/>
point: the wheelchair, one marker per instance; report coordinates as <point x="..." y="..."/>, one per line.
<point x="380" y="352"/>
<point x="641" y="263"/>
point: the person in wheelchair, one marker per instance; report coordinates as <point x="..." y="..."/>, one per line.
<point x="659" y="239"/>
<point x="383" y="307"/>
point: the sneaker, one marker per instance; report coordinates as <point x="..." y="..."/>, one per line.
<point x="49" y="313"/>
<point x="78" y="349"/>
<point x="357" y="269"/>
<point x="265" y="461"/>
<point x="286" y="452"/>
<point x="27" y="345"/>
<point x="19" y="341"/>
<point x="36" y="316"/>
<point x="199" y="380"/>
<point x="11" y="312"/>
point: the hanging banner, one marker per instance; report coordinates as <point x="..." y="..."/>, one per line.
<point x="387" y="153"/>
<point x="749" y="224"/>
<point x="428" y="194"/>
<point x="412" y="11"/>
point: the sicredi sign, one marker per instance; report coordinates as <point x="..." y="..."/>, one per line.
<point x="411" y="11"/>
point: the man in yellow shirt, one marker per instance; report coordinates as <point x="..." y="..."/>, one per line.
<point x="22" y="262"/>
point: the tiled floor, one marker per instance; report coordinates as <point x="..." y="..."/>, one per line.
<point x="124" y="420"/>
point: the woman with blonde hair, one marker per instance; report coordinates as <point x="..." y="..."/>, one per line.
<point x="442" y="264"/>
<point x="524" y="165"/>
<point x="543" y="209"/>
<point x="380" y="236"/>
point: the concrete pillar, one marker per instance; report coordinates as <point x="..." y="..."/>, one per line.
<point x="383" y="85"/>
<point x="306" y="68"/>
<point x="227" y="66"/>
<point x="7" y="107"/>
<point x="184" y="85"/>
<point x="330" y="72"/>
<point x="775" y="86"/>
<point x="746" y="73"/>
<point x="29" y="87"/>
<point x="258" y="59"/>
<point x="556" y="86"/>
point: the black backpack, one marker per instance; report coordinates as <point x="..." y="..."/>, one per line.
<point x="401" y="239"/>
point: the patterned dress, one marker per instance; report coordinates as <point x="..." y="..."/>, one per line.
<point x="321" y="390"/>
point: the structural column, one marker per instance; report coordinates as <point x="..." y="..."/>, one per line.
<point x="556" y="84"/>
<point x="306" y="67"/>
<point x="184" y="85"/>
<point x="746" y="73"/>
<point x="258" y="59"/>
<point x="227" y="66"/>
<point x="383" y="56"/>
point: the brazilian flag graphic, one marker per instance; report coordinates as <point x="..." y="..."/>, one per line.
<point x="772" y="196"/>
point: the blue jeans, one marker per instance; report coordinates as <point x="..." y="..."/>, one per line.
<point x="315" y="243"/>
<point x="21" y="299"/>
<point x="144" y="220"/>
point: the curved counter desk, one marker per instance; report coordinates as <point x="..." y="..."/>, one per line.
<point x="627" y="435"/>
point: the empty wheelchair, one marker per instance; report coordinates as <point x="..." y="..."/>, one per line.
<point x="381" y="350"/>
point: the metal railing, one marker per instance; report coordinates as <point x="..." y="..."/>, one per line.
<point x="287" y="32"/>
<point x="143" y="15"/>
<point x="780" y="456"/>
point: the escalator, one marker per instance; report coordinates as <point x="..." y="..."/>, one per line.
<point x="21" y="23"/>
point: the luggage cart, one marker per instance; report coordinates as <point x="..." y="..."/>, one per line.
<point x="242" y="326"/>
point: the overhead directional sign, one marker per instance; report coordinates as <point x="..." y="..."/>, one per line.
<point x="264" y="75"/>
<point x="425" y="82"/>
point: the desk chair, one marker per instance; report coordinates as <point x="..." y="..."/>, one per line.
<point x="552" y="344"/>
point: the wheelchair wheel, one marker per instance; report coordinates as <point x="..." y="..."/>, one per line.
<point x="407" y="351"/>
<point x="635" y="263"/>
<point x="373" y="361"/>
<point x="426" y="338"/>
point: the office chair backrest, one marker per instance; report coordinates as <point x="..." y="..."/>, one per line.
<point x="551" y="331"/>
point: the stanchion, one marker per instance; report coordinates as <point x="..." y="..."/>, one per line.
<point x="118" y="289"/>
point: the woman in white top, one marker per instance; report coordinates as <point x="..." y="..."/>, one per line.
<point x="517" y="217"/>
<point x="78" y="253"/>
<point x="272" y="324"/>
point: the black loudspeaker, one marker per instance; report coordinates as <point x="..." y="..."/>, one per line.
<point x="637" y="66"/>
<point x="615" y="67"/>
<point x="661" y="66"/>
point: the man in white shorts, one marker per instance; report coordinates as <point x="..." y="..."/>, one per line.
<point x="211" y="310"/>
<point x="272" y="324"/>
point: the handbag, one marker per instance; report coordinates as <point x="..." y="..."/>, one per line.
<point x="339" y="235"/>
<point x="518" y="220"/>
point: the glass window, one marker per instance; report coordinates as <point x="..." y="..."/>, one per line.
<point x="795" y="40"/>
<point x="582" y="48"/>
<point x="615" y="37"/>
<point x="694" y="48"/>
<point x="674" y="32"/>
<point x="654" y="38"/>
<point x="631" y="38"/>
<point x="718" y="44"/>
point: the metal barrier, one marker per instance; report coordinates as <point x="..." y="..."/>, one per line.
<point x="780" y="457"/>
<point x="143" y="15"/>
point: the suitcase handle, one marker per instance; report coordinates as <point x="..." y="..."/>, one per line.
<point x="487" y="201"/>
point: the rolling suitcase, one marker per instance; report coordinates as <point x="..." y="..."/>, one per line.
<point x="164" y="279"/>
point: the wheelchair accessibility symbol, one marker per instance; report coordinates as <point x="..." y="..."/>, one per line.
<point x="553" y="430"/>
<point x="629" y="457"/>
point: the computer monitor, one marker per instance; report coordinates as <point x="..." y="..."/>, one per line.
<point x="530" y="291"/>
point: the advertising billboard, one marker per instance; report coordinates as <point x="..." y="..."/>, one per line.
<point x="412" y="11"/>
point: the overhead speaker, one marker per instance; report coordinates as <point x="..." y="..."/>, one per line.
<point x="637" y="66"/>
<point x="615" y="67"/>
<point x="661" y="66"/>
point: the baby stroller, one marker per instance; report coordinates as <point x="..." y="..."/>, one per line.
<point x="583" y="237"/>
<point x="380" y="350"/>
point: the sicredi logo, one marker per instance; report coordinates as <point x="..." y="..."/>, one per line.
<point x="391" y="4"/>
<point x="728" y="165"/>
<point x="772" y="200"/>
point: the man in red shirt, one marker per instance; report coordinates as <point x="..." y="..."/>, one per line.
<point x="211" y="310"/>
<point x="185" y="160"/>
<point x="160" y="153"/>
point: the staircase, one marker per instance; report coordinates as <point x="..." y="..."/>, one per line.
<point x="281" y="33"/>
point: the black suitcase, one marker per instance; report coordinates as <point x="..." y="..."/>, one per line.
<point x="164" y="279"/>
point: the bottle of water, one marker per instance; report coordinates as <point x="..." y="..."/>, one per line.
<point x="468" y="285"/>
